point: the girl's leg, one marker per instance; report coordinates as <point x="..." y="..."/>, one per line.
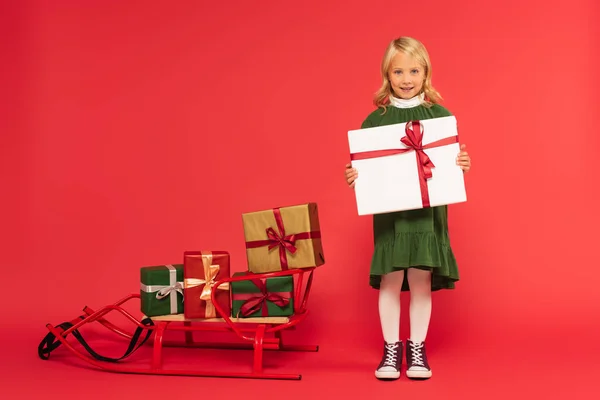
<point x="389" y="305"/>
<point x="420" y="315"/>
<point x="420" y="303"/>
<point x="389" y="315"/>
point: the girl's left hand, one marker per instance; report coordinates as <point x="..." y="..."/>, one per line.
<point x="463" y="160"/>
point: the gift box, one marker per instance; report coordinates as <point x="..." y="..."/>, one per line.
<point x="201" y="270"/>
<point x="407" y="166"/>
<point x="267" y="297"/>
<point x="161" y="289"/>
<point x="283" y="238"/>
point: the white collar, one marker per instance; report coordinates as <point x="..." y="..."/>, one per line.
<point x="403" y="103"/>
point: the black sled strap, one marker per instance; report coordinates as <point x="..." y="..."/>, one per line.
<point x="51" y="343"/>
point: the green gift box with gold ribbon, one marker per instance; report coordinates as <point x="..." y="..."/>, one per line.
<point x="161" y="289"/>
<point x="267" y="297"/>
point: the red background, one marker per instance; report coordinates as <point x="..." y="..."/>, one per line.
<point x="136" y="130"/>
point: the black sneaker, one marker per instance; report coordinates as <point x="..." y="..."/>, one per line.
<point x="389" y="367"/>
<point x="416" y="358"/>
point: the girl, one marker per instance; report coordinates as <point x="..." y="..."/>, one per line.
<point x="414" y="243"/>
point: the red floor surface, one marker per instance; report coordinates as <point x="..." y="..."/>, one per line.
<point x="554" y="366"/>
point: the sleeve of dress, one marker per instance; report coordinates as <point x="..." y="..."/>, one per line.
<point x="366" y="124"/>
<point x="442" y="111"/>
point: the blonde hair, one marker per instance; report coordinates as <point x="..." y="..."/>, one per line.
<point x="413" y="48"/>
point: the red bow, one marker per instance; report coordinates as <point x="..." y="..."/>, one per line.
<point x="414" y="140"/>
<point x="276" y="239"/>
<point x="259" y="302"/>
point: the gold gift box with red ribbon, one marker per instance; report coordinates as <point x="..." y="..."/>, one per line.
<point x="283" y="238"/>
<point x="201" y="270"/>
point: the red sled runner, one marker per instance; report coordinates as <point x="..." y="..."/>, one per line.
<point x="257" y="333"/>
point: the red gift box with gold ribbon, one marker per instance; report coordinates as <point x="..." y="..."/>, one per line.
<point x="201" y="270"/>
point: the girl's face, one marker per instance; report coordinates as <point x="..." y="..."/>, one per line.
<point x="406" y="76"/>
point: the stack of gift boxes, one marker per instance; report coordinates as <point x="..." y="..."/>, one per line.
<point x="276" y="240"/>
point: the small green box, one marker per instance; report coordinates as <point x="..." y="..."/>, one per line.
<point x="161" y="289"/>
<point x="277" y="301"/>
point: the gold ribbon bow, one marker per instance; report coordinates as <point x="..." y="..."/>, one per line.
<point x="210" y="273"/>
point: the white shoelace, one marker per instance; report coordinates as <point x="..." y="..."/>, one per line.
<point x="417" y="355"/>
<point x="391" y="351"/>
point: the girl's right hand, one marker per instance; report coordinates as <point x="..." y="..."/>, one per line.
<point x="351" y="175"/>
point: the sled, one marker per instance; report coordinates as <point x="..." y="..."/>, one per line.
<point x="258" y="334"/>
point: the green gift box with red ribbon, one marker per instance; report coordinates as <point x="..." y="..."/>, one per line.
<point x="267" y="297"/>
<point x="283" y="238"/>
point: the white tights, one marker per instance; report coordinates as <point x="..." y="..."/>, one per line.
<point x="420" y="304"/>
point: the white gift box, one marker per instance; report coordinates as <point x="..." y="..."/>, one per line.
<point x="389" y="182"/>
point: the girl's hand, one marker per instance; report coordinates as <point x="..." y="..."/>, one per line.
<point x="463" y="160"/>
<point x="351" y="175"/>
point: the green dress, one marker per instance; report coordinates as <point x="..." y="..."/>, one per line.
<point x="414" y="238"/>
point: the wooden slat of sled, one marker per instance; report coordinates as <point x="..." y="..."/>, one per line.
<point x="256" y="320"/>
